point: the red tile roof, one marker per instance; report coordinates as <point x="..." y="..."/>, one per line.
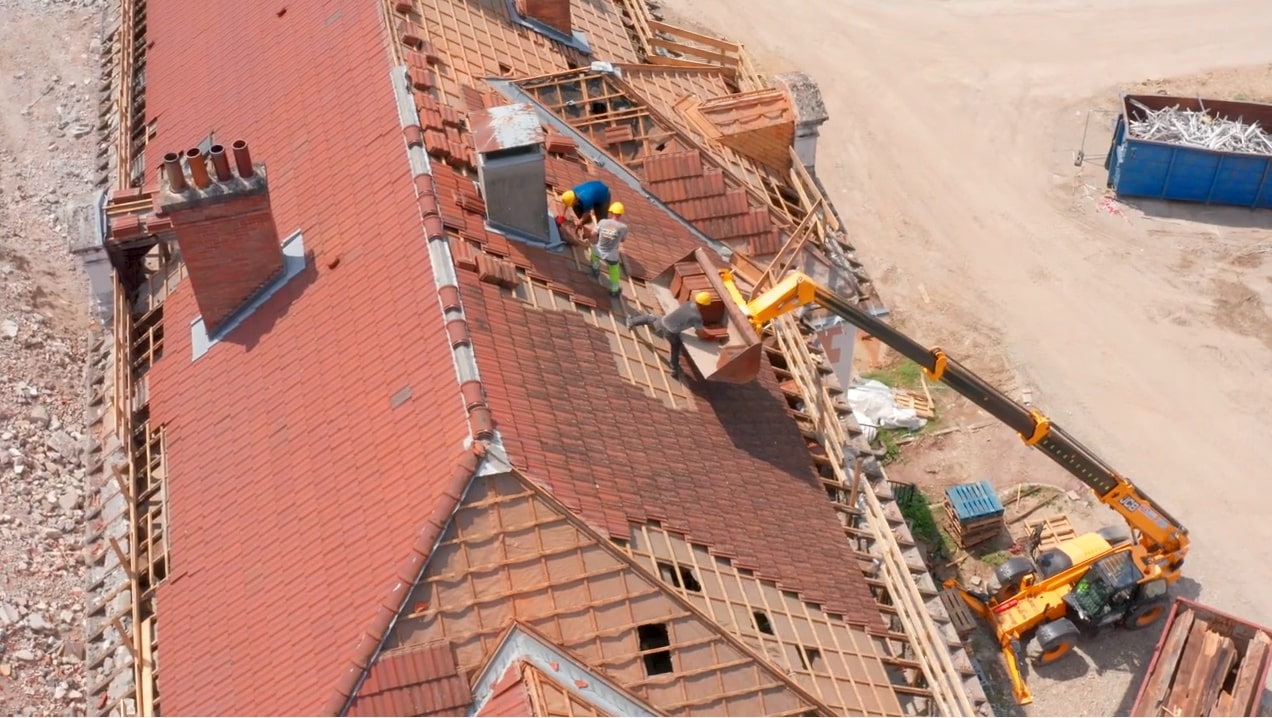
<point x="296" y="488"/>
<point x="416" y="681"/>
<point x="511" y="695"/>
<point x="301" y="498"/>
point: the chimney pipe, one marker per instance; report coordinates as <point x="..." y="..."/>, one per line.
<point x="176" y="175"/>
<point x="242" y="158"/>
<point x="220" y="163"/>
<point x="198" y="168"/>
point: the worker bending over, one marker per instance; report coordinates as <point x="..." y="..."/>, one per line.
<point x="610" y="233"/>
<point x="669" y="327"/>
<point x="588" y="199"/>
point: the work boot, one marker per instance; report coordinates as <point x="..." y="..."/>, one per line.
<point x="615" y="293"/>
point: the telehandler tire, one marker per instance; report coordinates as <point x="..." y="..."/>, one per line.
<point x="1144" y="615"/>
<point x="1056" y="639"/>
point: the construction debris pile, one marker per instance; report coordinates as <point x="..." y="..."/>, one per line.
<point x="1198" y="128"/>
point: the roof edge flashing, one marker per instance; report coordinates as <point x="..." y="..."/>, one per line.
<point x="577" y="39"/>
<point x="519" y="645"/>
<point x="294" y="262"/>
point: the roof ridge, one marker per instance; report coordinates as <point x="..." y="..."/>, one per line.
<point x="407" y="577"/>
<point x="608" y="546"/>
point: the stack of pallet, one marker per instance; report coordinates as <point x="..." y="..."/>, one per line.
<point x="1207" y="664"/>
<point x="975" y="513"/>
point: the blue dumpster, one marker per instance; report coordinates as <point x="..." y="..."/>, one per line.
<point x="1162" y="170"/>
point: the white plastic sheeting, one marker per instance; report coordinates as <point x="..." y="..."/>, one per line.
<point x="874" y="408"/>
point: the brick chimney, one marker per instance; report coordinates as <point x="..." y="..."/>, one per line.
<point x="223" y="224"/>
<point x="553" y="13"/>
<point x="810" y="113"/>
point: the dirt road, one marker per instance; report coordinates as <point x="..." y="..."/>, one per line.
<point x="950" y="153"/>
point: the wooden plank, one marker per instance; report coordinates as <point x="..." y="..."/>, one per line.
<point x="681" y="49"/>
<point x="1224" y="661"/>
<point x="1192" y="652"/>
<point x="1159" y="683"/>
<point x="715" y="42"/>
<point x="1189" y="702"/>
<point x="1247" y="690"/>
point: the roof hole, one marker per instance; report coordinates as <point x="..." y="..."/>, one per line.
<point x="689" y="580"/>
<point x="762" y="622"/>
<point x="505" y="70"/>
<point x="809" y="658"/>
<point x="597" y="108"/>
<point x="669" y="573"/>
<point x="660" y="146"/>
<point x="653" y="643"/>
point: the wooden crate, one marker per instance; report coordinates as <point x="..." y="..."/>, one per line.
<point x="1206" y="663"/>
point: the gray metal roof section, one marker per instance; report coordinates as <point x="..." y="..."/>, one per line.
<point x="506" y="127"/>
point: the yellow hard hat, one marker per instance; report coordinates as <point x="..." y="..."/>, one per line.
<point x="616" y="208"/>
<point x="568" y="198"/>
<point x="703" y="298"/>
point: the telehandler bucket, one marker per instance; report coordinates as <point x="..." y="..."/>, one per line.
<point x="733" y="354"/>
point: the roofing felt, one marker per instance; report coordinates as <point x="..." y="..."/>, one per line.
<point x="297" y="488"/>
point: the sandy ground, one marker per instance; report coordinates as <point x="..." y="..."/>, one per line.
<point x="1142" y="329"/>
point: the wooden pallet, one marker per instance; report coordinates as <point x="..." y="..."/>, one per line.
<point x="961" y="617"/>
<point x="975" y="532"/>
<point x="1055" y="530"/>
<point x="923" y="407"/>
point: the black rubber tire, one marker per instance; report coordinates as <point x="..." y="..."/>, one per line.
<point x="1056" y="639"/>
<point x="1115" y="535"/>
<point x="1144" y="615"/>
<point x="1010" y="572"/>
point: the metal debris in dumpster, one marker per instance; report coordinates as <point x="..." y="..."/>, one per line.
<point x="1193" y="150"/>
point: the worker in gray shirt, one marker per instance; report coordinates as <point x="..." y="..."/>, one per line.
<point x="686" y="316"/>
<point x="610" y="233"/>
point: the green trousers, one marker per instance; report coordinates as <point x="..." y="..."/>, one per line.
<point x="614" y="268"/>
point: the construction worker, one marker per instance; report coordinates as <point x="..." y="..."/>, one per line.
<point x="589" y="198"/>
<point x="669" y="327"/>
<point x="610" y="233"/>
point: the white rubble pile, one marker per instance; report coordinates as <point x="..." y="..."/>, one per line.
<point x="48" y="152"/>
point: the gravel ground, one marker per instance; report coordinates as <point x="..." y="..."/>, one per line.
<point x="48" y="109"/>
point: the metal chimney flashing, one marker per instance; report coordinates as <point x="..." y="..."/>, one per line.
<point x="293" y="264"/>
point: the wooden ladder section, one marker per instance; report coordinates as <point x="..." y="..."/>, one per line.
<point x="858" y="504"/>
<point x="671" y="46"/>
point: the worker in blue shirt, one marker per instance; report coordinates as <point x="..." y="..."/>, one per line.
<point x="589" y="198"/>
